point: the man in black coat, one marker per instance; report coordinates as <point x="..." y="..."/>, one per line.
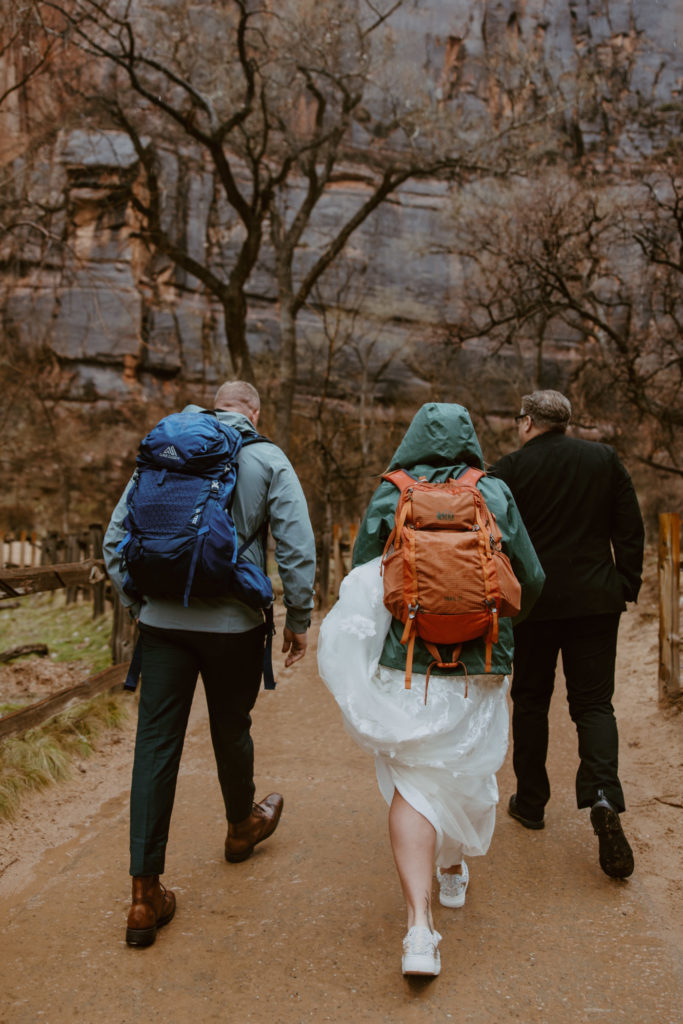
<point x="581" y="512"/>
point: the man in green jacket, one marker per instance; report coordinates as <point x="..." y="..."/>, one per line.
<point x="222" y="639"/>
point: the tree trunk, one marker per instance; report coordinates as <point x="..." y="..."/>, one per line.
<point x="288" y="367"/>
<point x="235" y="319"/>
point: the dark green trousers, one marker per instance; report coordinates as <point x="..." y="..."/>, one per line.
<point x="230" y="665"/>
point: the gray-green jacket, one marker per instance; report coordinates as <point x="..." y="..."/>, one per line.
<point x="267" y="486"/>
<point x="440" y="443"/>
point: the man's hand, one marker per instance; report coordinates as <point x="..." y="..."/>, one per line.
<point x="295" y="644"/>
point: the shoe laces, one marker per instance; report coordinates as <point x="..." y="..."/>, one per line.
<point x="419" y="939"/>
<point x="451" y="883"/>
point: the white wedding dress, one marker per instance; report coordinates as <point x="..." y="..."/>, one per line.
<point x="441" y="756"/>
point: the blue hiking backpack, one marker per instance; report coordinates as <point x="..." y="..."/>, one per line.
<point x="181" y="540"/>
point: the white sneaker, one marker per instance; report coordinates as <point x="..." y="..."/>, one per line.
<point x="452" y="888"/>
<point x="420" y="952"/>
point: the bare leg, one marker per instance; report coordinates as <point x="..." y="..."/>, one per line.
<point x="413" y="840"/>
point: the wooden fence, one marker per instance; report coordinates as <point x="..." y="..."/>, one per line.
<point x="24" y="550"/>
<point x="24" y="571"/>
<point x="87" y="573"/>
<point x="20" y="550"/>
<point x="669" y="606"/>
<point x="343" y="540"/>
<point x="334" y="561"/>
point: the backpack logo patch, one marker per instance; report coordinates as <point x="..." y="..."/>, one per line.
<point x="171" y="453"/>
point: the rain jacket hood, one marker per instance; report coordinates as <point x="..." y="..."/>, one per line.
<point x="440" y="434"/>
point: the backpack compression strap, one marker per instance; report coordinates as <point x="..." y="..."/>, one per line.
<point x="269" y="681"/>
<point x="399" y="478"/>
<point x="133" y="677"/>
<point x="471" y="476"/>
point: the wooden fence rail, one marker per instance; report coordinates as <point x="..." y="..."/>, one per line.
<point x="19" y="582"/>
<point x="88" y="573"/>
<point x="16" y="582"/>
<point x="25" y="550"/>
<point x="28" y="718"/>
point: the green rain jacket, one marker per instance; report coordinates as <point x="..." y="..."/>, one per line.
<point x="440" y="443"/>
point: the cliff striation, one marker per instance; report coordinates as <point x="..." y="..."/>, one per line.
<point x="123" y="322"/>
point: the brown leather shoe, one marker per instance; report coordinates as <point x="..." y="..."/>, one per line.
<point x="261" y="823"/>
<point x="153" y="907"/>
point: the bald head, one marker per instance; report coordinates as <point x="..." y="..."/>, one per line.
<point x="238" y="396"/>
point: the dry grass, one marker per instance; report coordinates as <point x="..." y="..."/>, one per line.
<point x="69" y="630"/>
<point x="44" y="755"/>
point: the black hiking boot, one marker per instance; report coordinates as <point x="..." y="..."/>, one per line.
<point x="616" y="856"/>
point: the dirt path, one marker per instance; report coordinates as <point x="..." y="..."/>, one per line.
<point x="310" y="928"/>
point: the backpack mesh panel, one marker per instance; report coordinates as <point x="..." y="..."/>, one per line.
<point x="168" y="507"/>
<point x="449" y="571"/>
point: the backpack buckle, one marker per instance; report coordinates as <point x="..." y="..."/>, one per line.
<point x="412" y="610"/>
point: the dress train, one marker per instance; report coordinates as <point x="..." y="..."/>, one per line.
<point x="442" y="756"/>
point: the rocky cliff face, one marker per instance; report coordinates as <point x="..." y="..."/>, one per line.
<point x="117" y="333"/>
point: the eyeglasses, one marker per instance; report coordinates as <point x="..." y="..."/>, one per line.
<point x="522" y="416"/>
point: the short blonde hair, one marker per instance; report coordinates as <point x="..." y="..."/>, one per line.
<point x="238" y="395"/>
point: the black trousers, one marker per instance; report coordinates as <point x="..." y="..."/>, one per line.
<point x="588" y="646"/>
<point x="230" y="665"/>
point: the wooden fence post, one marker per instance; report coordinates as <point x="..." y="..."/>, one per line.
<point x="353" y="533"/>
<point x="123" y="634"/>
<point x="337" y="555"/>
<point x="48" y="552"/>
<point x="72" y="555"/>
<point x="324" y="572"/>
<point x="96" y="552"/>
<point x="669" y="613"/>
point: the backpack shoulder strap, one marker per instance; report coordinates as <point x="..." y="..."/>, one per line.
<point x="261" y="530"/>
<point x="471" y="476"/>
<point x="399" y="478"/>
<point x="253" y="438"/>
<point x="246" y="438"/>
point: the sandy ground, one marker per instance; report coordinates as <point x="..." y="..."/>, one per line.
<point x="27" y="682"/>
<point x="310" y="928"/>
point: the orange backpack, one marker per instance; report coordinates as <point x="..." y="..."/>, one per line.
<point x="445" y="574"/>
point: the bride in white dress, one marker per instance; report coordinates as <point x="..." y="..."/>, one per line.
<point x="441" y="756"/>
<point x="435" y="760"/>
